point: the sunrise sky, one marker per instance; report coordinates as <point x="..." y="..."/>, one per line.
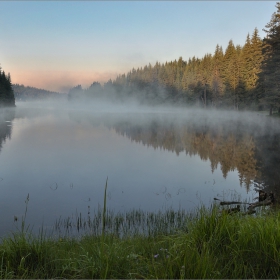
<point x="56" y="45"/>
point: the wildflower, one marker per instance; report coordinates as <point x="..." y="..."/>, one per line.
<point x="157" y="255"/>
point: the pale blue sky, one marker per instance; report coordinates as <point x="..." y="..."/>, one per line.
<point x="57" y="45"/>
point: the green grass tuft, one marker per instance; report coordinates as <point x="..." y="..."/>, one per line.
<point x="211" y="245"/>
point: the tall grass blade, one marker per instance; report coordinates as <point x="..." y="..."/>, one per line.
<point x="104" y="209"/>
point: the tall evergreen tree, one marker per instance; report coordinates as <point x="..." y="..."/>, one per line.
<point x="251" y="66"/>
<point x="247" y="63"/>
<point x="7" y="97"/>
<point x="257" y="56"/>
<point x="231" y="73"/>
<point x="270" y="76"/>
<point x="217" y="82"/>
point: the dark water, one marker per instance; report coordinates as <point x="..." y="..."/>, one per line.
<point x="154" y="159"/>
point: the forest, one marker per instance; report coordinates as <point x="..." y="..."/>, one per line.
<point x="10" y="92"/>
<point x="239" y="77"/>
<point x="6" y="91"/>
<point x="25" y="93"/>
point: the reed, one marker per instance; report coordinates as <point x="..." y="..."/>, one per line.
<point x="104" y="209"/>
<point x="212" y="245"/>
<point x="205" y="244"/>
<point x="131" y="223"/>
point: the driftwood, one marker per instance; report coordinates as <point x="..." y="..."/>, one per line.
<point x="259" y="204"/>
<point x="268" y="201"/>
<point x="230" y="202"/>
<point x="264" y="200"/>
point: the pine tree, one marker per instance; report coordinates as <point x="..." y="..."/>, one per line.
<point x="204" y="77"/>
<point x="251" y="66"/>
<point x="247" y="58"/>
<point x="217" y="82"/>
<point x="7" y="97"/>
<point x="257" y="56"/>
<point x="232" y="74"/>
<point x="270" y="76"/>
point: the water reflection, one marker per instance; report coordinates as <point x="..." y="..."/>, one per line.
<point x="62" y="157"/>
<point x="229" y="149"/>
<point x="267" y="154"/>
<point x="6" y="121"/>
<point x="250" y="146"/>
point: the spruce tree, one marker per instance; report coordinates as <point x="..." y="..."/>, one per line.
<point x="257" y="58"/>
<point x="251" y="59"/>
<point x="7" y="97"/>
<point x="247" y="65"/>
<point x="231" y="73"/>
<point x="270" y="76"/>
<point x="217" y="82"/>
<point x="251" y="67"/>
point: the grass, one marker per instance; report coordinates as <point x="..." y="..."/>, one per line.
<point x="127" y="224"/>
<point x="136" y="245"/>
<point x="213" y="245"/>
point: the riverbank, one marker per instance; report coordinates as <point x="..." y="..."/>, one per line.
<point x="212" y="245"/>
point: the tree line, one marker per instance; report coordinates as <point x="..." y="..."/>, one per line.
<point x="226" y="79"/>
<point x="241" y="77"/>
<point x="25" y="93"/>
<point x="6" y="91"/>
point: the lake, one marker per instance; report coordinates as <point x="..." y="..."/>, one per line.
<point x="60" y="155"/>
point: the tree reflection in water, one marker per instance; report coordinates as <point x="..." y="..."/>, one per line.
<point x="247" y="143"/>
<point x="7" y="115"/>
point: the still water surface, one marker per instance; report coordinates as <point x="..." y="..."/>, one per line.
<point x="154" y="159"/>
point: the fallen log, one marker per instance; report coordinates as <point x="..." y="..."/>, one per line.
<point x="230" y="202"/>
<point x="268" y="201"/>
<point x="259" y="204"/>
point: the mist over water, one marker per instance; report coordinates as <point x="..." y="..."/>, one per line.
<point x="154" y="157"/>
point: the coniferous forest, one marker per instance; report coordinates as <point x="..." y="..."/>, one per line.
<point x="239" y="77"/>
<point x="6" y="91"/>
<point x="25" y="93"/>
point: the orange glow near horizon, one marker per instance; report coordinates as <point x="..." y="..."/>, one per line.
<point x="59" y="81"/>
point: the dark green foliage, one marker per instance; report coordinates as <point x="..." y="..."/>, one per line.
<point x="252" y="58"/>
<point x="6" y="92"/>
<point x="270" y="75"/>
<point x="221" y="80"/>
<point x="242" y="77"/>
<point x="215" y="246"/>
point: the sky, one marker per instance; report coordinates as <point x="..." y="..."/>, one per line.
<point x="56" y="45"/>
